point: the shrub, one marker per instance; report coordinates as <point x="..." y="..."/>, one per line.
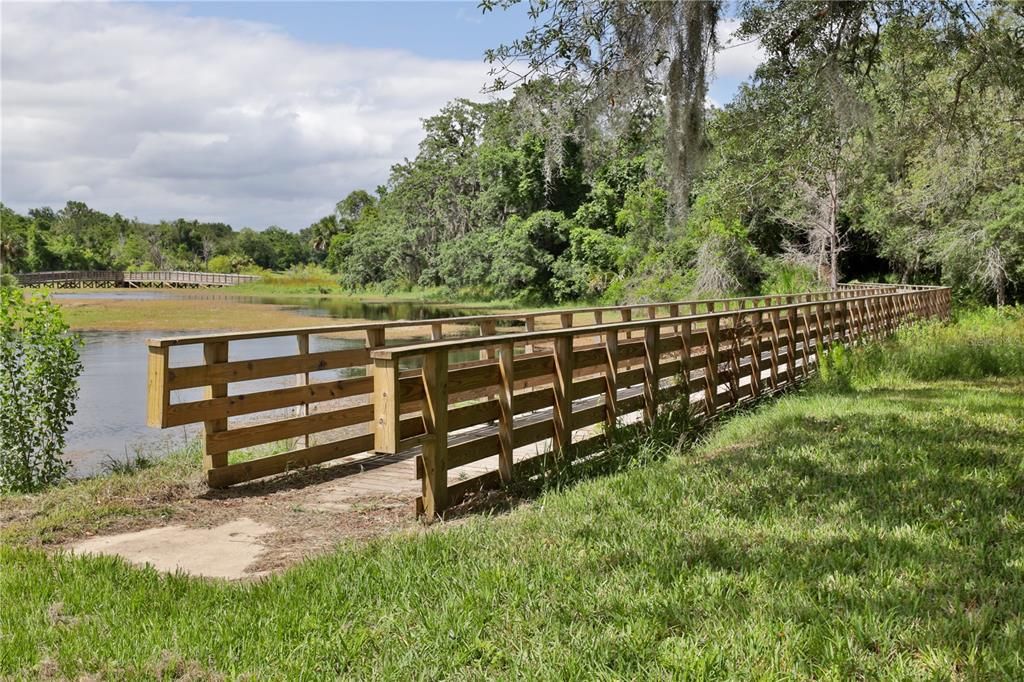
<point x="220" y="263"/>
<point x="782" y="277"/>
<point x="835" y="371"/>
<point x="39" y="369"/>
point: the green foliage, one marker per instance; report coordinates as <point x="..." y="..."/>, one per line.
<point x="588" y="267"/>
<point x="39" y="368"/>
<point x="220" y="263"/>
<point x="782" y="277"/>
<point x="78" y="238"/>
<point x="985" y="342"/>
<point x="524" y="254"/>
<point x="836" y="369"/>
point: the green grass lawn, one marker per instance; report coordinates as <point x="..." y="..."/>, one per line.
<point x="869" y="532"/>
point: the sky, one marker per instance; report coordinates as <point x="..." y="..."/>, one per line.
<point x="249" y="113"/>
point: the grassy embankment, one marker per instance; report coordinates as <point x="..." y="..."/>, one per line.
<point x="840" y="532"/>
<point x="221" y="310"/>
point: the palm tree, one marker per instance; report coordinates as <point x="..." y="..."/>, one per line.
<point x="323" y="231"/>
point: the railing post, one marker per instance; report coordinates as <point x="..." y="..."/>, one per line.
<point x="506" y="403"/>
<point x="686" y="343"/>
<point x="774" y="370"/>
<point x="791" y="343"/>
<point x="842" y="310"/>
<point x="487" y="328"/>
<point x="214" y="353"/>
<point x="531" y="325"/>
<point x="755" y="355"/>
<point x="711" y="366"/>
<point x="823" y="337"/>
<point x="562" y="415"/>
<point x="158" y="397"/>
<point x="435" y="444"/>
<point x="302" y="379"/>
<point x="374" y="339"/>
<point x="651" y="362"/>
<point x="611" y="374"/>
<point x="871" y="308"/>
<point x="856" y="322"/>
<point x="387" y="406"/>
<point x="806" y="347"/>
<point x="735" y="353"/>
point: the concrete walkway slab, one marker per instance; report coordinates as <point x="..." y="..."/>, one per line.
<point x="225" y="551"/>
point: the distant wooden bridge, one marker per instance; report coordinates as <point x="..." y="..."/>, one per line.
<point x="81" y="279"/>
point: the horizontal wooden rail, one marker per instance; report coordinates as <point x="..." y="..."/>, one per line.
<point x="313" y="398"/>
<point x="706" y="362"/>
<point x="127" y="278"/>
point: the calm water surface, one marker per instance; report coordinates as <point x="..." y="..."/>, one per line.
<point x="111" y="420"/>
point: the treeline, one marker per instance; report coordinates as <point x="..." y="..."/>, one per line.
<point x="81" y="238"/>
<point x="877" y="140"/>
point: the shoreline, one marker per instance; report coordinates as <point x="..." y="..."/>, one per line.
<point x="217" y="310"/>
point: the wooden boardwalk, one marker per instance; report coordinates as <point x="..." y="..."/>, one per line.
<point x="449" y="416"/>
<point x="89" y="279"/>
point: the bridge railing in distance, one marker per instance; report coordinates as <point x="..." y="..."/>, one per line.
<point x="563" y="405"/>
<point x="64" y="279"/>
<point x="314" y="399"/>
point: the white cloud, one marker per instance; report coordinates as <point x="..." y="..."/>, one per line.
<point x="738" y="58"/>
<point x="154" y="114"/>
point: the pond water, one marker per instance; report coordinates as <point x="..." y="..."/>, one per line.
<point x="110" y="423"/>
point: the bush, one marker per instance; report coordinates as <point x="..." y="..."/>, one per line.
<point x="835" y="371"/>
<point x="39" y="369"/>
<point x="8" y="280"/>
<point x="221" y="263"/>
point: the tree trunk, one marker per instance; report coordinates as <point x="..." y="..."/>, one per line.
<point x="834" y="274"/>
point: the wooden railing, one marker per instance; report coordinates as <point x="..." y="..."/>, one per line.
<point x="568" y="399"/>
<point x="66" y="279"/>
<point x="315" y="419"/>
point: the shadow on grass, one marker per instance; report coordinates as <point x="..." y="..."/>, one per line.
<point x="906" y="510"/>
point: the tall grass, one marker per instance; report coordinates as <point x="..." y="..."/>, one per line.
<point x="984" y="342"/>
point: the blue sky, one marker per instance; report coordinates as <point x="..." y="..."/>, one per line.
<point x="253" y="114"/>
<point x="449" y="30"/>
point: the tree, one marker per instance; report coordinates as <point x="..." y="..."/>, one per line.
<point x="39" y="369"/>
<point x="625" y="53"/>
